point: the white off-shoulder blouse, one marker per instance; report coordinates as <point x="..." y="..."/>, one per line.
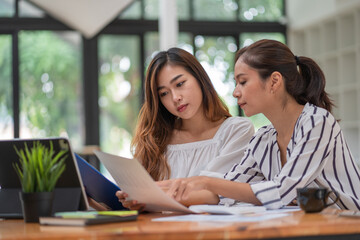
<point x="213" y="157"/>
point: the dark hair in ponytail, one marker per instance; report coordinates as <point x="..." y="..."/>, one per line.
<point x="306" y="84"/>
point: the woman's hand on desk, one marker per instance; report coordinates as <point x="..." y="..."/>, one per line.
<point x="180" y="189"/>
<point x="130" y="204"/>
<point x="165" y="185"/>
<point x="189" y="191"/>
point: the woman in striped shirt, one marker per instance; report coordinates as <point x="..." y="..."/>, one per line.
<point x="303" y="147"/>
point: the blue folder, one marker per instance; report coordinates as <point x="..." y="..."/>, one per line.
<point x="97" y="186"/>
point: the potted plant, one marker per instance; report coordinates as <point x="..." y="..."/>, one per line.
<point x="39" y="169"/>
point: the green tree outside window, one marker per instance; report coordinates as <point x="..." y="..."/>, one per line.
<point x="50" y="85"/>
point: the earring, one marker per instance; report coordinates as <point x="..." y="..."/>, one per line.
<point x="271" y="91"/>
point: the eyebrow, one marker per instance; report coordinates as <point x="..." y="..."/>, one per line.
<point x="171" y="81"/>
<point x="239" y="75"/>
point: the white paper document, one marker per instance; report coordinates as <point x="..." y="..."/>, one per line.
<point x="219" y="218"/>
<point x="234" y="210"/>
<point x="133" y="179"/>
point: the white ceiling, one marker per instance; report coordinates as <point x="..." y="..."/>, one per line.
<point x="87" y="16"/>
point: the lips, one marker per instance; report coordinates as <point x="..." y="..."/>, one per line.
<point x="241" y="105"/>
<point x="182" y="107"/>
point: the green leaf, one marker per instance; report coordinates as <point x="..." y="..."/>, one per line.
<point x="39" y="168"/>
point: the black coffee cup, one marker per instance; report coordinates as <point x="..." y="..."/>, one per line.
<point x="313" y="200"/>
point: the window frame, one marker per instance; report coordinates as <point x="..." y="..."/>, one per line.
<point x="90" y="68"/>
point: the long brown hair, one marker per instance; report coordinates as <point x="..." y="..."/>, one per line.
<point x="306" y="84"/>
<point x="156" y="124"/>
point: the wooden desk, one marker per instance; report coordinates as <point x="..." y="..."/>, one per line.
<point x="298" y="225"/>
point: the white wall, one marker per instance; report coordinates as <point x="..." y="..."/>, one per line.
<point x="329" y="32"/>
<point x="301" y="13"/>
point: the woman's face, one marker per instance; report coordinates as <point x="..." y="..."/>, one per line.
<point x="179" y="92"/>
<point x="251" y="91"/>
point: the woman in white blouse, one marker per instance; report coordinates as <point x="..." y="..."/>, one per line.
<point x="303" y="147"/>
<point x="184" y="129"/>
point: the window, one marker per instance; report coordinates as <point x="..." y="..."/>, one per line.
<point x="26" y="9"/>
<point x="120" y="88"/>
<point x="7" y="8"/>
<point x="50" y="86"/>
<point x="6" y="112"/>
<point x="215" y="10"/>
<point x="47" y="65"/>
<point x="249" y="38"/>
<point x="261" y="10"/>
<point x="216" y="55"/>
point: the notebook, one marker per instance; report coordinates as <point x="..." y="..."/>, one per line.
<point x="69" y="192"/>
<point x="97" y="186"/>
<point x="88" y="218"/>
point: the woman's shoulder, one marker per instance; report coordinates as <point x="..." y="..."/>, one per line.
<point x="313" y="114"/>
<point x="264" y="134"/>
<point x="314" y="117"/>
<point x="311" y="109"/>
<point x="232" y="125"/>
<point x="235" y="127"/>
<point x="237" y="121"/>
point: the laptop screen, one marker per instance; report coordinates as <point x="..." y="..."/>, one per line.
<point x="69" y="191"/>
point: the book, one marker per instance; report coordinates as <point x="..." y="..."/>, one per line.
<point x="97" y="186"/>
<point x="79" y="218"/>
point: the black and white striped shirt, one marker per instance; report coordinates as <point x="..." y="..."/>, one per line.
<point x="317" y="156"/>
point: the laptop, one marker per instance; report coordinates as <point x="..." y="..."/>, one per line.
<point x="69" y="191"/>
